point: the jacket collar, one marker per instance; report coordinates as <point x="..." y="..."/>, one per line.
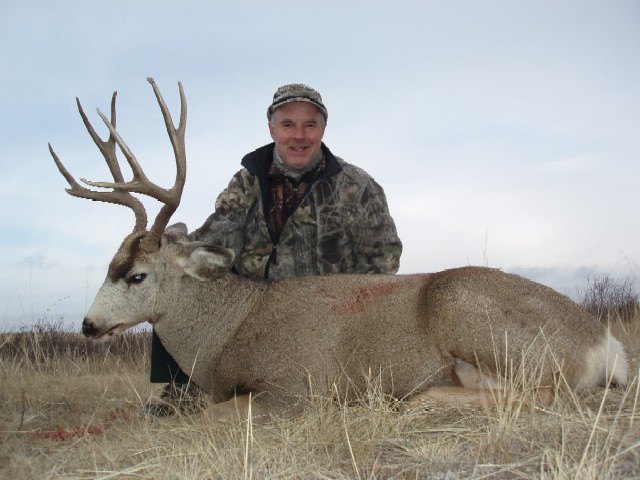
<point x="259" y="161"/>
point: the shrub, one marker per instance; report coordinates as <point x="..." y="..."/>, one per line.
<point x="50" y="340"/>
<point x="609" y="298"/>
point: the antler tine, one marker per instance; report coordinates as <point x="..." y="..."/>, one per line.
<point x="140" y="183"/>
<point x="176" y="135"/>
<point x="107" y="148"/>
<point x="173" y="195"/>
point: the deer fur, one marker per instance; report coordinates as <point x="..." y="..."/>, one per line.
<point x="280" y="340"/>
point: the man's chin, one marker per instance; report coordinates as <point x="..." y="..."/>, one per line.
<point x="297" y="163"/>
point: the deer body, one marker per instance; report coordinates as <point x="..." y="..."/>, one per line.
<point x="281" y="341"/>
<point x="282" y="335"/>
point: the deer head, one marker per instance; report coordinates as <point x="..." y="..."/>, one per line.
<point x="136" y="258"/>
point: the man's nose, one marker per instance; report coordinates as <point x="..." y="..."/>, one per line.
<point x="298" y="131"/>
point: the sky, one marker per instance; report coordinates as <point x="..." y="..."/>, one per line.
<point x="505" y="133"/>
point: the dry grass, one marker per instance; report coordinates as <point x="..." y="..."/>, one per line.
<point x="74" y="412"/>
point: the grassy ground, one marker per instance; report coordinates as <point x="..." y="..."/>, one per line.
<point x="72" y="410"/>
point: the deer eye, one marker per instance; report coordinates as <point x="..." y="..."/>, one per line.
<point x="137" y="278"/>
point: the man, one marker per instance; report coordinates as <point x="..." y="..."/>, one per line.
<point x="295" y="209"/>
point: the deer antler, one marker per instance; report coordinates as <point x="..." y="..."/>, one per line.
<point x="120" y="193"/>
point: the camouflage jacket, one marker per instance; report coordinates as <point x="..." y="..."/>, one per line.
<point x="342" y="224"/>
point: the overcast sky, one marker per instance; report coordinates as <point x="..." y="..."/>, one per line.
<point x="505" y="133"/>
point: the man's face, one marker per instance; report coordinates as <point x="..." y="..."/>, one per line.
<point x="297" y="128"/>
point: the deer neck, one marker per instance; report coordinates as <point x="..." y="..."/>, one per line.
<point x="196" y="319"/>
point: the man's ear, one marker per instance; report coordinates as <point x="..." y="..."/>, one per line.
<point x="205" y="262"/>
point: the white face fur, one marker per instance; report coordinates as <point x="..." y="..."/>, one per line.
<point x="123" y="303"/>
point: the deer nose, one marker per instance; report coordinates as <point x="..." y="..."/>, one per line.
<point x="88" y="327"/>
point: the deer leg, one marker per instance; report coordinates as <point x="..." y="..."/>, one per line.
<point x="455" y="396"/>
<point x="238" y="408"/>
<point x="468" y="375"/>
<point x="473" y="388"/>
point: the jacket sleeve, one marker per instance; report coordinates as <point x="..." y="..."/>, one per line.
<point x="225" y="227"/>
<point x="378" y="247"/>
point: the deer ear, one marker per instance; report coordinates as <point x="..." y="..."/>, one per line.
<point x="206" y="262"/>
<point x="177" y="232"/>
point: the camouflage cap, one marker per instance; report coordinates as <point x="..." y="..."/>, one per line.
<point x="297" y="92"/>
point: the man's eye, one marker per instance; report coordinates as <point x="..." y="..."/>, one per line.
<point x="138" y="278"/>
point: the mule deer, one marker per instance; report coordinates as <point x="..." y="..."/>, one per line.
<point x="446" y="335"/>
